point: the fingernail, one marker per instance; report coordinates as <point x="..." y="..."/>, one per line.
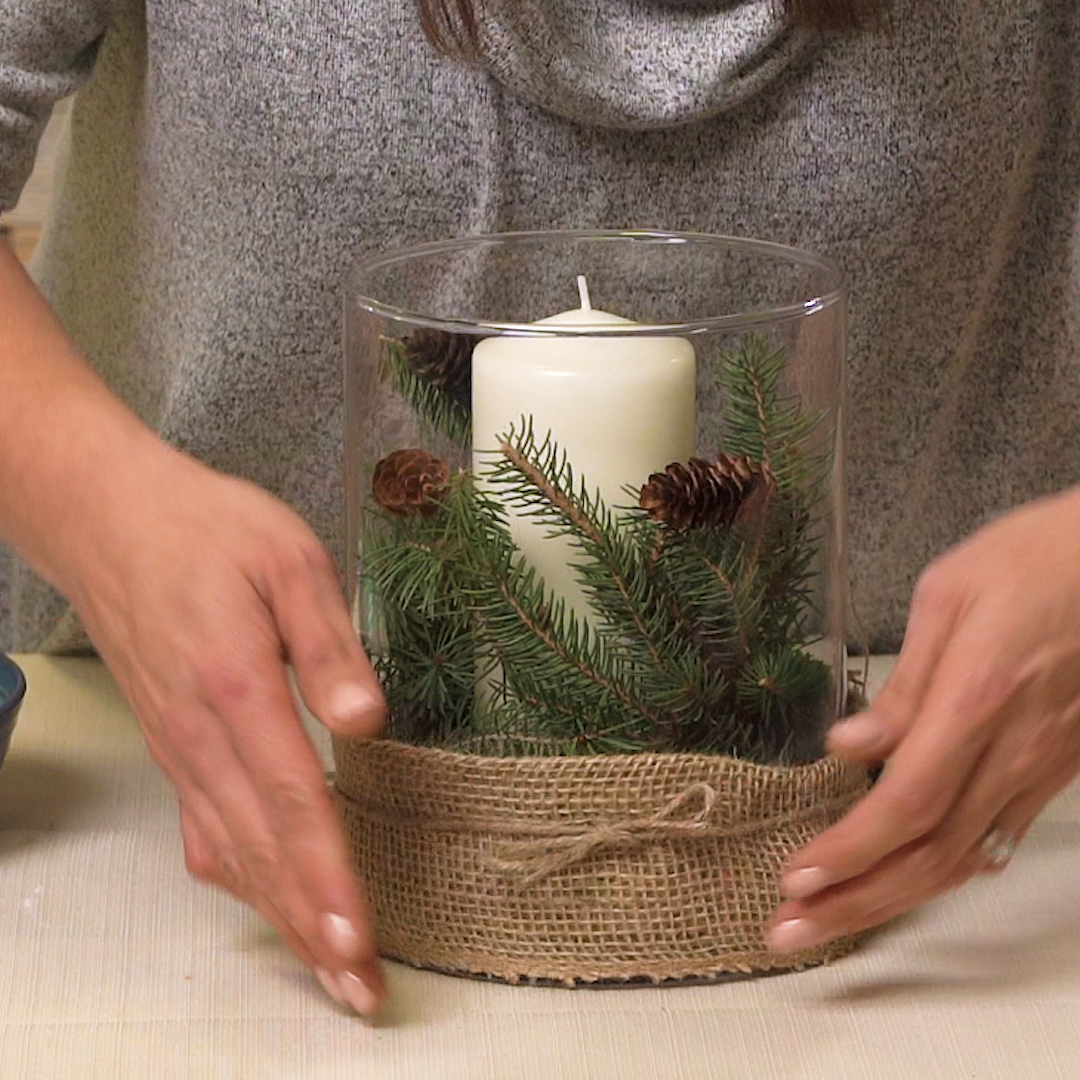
<point x="326" y="980"/>
<point x="798" y="884"/>
<point x="350" y="702"/>
<point x="865" y="732"/>
<point x="792" y="935"/>
<point x="341" y="935"/>
<point x="358" y="995"/>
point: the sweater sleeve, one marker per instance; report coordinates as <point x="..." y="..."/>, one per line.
<point x="47" y="51"/>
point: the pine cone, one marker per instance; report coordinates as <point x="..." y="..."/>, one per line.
<point x="443" y="360"/>
<point x="410" y="482"/>
<point x="701" y="493"/>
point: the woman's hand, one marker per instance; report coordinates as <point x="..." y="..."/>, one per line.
<point x="197" y="590"/>
<point x="206" y="589"/>
<point x="979" y="726"/>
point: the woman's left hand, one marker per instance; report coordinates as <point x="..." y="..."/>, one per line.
<point x="978" y="726"/>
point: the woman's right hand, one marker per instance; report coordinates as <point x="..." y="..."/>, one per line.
<point x="200" y="592"/>
<point x="197" y="589"/>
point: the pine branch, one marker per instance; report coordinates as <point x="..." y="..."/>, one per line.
<point x="705" y="571"/>
<point x="586" y="519"/>
<point x="659" y="664"/>
<point x="545" y="653"/>
<point x="761" y="422"/>
<point x="417" y="569"/>
<point x="787" y="692"/>
<point x="434" y="404"/>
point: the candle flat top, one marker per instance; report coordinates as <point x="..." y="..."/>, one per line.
<point x="584" y="317"/>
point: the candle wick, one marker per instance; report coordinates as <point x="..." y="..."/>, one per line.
<point x="583" y="292"/>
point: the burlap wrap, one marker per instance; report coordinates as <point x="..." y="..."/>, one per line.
<point x="581" y="869"/>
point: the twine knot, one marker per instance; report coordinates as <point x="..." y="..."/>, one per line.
<point x="529" y="861"/>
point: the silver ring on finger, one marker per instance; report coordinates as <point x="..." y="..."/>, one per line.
<point x="997" y="848"/>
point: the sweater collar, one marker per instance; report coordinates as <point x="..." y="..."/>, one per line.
<point x="636" y="64"/>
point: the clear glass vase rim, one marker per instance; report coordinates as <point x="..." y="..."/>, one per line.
<point x="834" y="293"/>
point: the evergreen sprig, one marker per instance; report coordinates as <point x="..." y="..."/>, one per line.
<point x="767" y="425"/>
<point x="647" y="665"/>
<point x="438" y="408"/>
<point x="417" y="570"/>
<point x="696" y="638"/>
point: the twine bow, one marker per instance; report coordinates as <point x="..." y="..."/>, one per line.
<point x="530" y="861"/>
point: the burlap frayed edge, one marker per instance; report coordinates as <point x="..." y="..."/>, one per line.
<point x="621" y="870"/>
<point x="494" y="969"/>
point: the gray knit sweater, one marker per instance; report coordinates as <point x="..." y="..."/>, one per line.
<point x="229" y="159"/>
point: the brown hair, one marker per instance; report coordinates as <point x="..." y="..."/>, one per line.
<point x="453" y="25"/>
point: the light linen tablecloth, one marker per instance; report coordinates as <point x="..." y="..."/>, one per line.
<point x="114" y="965"/>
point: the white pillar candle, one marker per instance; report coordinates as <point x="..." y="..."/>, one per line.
<point x="620" y="407"/>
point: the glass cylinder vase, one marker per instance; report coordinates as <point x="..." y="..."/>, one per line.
<point x="595" y="493"/>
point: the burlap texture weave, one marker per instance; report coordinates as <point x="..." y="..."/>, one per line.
<point x="581" y="869"/>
